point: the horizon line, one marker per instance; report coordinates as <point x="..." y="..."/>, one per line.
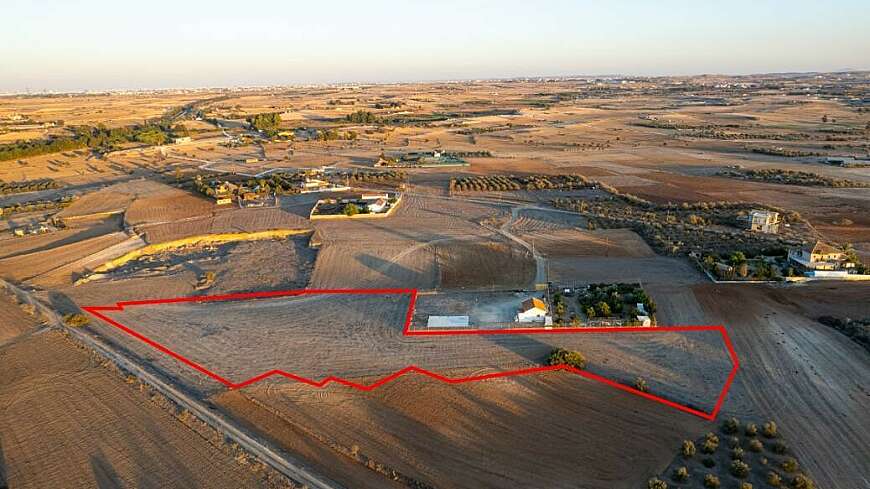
<point x="609" y="76"/>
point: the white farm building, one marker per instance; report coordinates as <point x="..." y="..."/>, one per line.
<point x="532" y="310"/>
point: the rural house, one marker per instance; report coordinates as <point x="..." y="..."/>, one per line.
<point x="819" y="256"/>
<point x="763" y="221"/>
<point x="532" y="310"/>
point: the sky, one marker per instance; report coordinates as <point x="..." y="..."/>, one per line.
<point x="71" y="45"/>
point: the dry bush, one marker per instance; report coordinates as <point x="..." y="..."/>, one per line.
<point x="656" y="483"/>
<point x="681" y="474"/>
<point x="711" y="481"/>
<point x="76" y="320"/>
<point x="773" y="479"/>
<point x="739" y="469"/>
<point x="756" y="446"/>
<point x="688" y="450"/>
<point x="731" y="426"/>
<point x="769" y="429"/>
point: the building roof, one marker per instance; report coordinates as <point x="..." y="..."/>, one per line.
<point x="532" y="303"/>
<point x="819" y="248"/>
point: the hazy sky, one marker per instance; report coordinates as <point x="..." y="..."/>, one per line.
<point x="72" y="45"/>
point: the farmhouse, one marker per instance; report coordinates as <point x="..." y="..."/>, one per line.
<point x="532" y="310"/>
<point x="819" y="256"/>
<point x="377" y="206"/>
<point x="763" y="221"/>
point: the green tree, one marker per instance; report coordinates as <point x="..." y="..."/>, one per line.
<point x="560" y="356"/>
<point x="351" y="210"/>
<point x="737" y="258"/>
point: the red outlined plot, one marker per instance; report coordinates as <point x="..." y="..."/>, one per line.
<point x="98" y="312"/>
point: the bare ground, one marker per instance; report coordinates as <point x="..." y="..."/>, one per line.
<point x="809" y="378"/>
<point x="542" y="431"/>
<point x="66" y="422"/>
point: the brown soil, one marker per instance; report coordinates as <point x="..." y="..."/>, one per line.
<point x="807" y="377"/>
<point x="67" y="422"/>
<point x="466" y="264"/>
<point x="479" y="434"/>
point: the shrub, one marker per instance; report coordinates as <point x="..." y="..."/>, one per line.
<point x="688" y="449"/>
<point x="709" y="446"/>
<point x="751" y="429"/>
<point x="731" y="426"/>
<point x="756" y="446"/>
<point x="708" y="462"/>
<point x="640" y="385"/>
<point x="681" y="474"/>
<point x="745" y="485"/>
<point x="351" y="210"/>
<point x="779" y="447"/>
<point x="712" y="437"/>
<point x="711" y="481"/>
<point x="789" y="465"/>
<point x="737" y="454"/>
<point x="802" y="482"/>
<point x="739" y="469"/>
<point x="734" y="442"/>
<point x="773" y="479"/>
<point x="769" y="429"/>
<point x="560" y="356"/>
<point x="656" y="483"/>
<point x="76" y="320"/>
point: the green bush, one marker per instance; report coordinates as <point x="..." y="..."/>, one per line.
<point x="681" y="474"/>
<point x="737" y="453"/>
<point x="351" y="210"/>
<point x="560" y="356"/>
<point x="745" y="485"/>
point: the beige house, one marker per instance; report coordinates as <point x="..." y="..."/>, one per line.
<point x="819" y="256"/>
<point x="763" y="221"/>
<point x="532" y="310"/>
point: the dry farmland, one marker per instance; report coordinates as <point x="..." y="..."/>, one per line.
<point x="134" y="223"/>
<point x="362" y="339"/>
<point x="57" y="397"/>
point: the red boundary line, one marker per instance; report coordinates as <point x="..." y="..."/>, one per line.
<point x="97" y="311"/>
